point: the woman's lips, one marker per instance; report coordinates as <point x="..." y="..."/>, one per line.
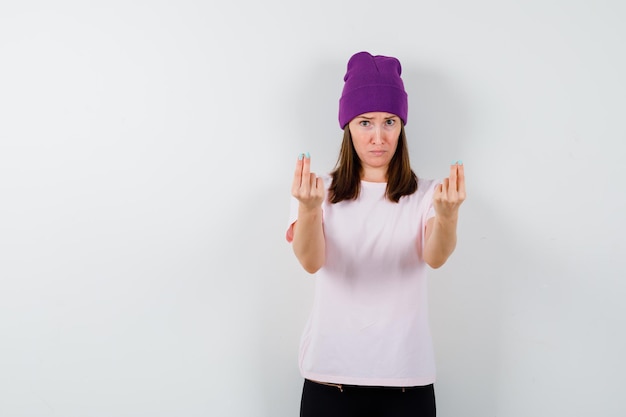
<point x="377" y="153"/>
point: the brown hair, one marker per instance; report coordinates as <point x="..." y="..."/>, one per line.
<point x="346" y="184"/>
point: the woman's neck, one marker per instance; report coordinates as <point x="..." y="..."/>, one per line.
<point x="374" y="175"/>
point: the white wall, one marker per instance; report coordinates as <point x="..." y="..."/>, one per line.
<point x="146" y="153"/>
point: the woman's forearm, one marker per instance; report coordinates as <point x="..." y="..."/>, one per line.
<point x="308" y="239"/>
<point x="440" y="240"/>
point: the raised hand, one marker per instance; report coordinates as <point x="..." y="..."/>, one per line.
<point x="307" y="187"/>
<point x="450" y="193"/>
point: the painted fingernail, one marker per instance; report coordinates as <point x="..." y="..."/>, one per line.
<point x="300" y="157"/>
<point x="454" y="162"/>
<point x="460" y="162"/>
<point x="308" y="155"/>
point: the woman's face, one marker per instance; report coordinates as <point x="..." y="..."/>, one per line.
<point x="375" y="138"/>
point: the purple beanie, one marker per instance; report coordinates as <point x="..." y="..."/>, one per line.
<point x="372" y="83"/>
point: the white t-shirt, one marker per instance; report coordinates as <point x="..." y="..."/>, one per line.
<point x="369" y="322"/>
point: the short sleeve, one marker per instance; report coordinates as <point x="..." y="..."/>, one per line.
<point x="429" y="193"/>
<point x="293" y="216"/>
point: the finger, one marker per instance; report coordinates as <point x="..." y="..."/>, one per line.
<point x="312" y="180"/>
<point x="461" y="180"/>
<point x="306" y="165"/>
<point x="438" y="193"/>
<point x="319" y="184"/>
<point x="453" y="172"/>
<point x="445" y="185"/>
<point x="318" y="191"/>
<point x="306" y="171"/>
<point x="297" y="175"/>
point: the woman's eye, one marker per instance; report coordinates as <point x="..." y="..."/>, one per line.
<point x="390" y="122"/>
<point x="364" y="123"/>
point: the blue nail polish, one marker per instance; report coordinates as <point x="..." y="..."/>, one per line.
<point x="308" y="155"/>
<point x="300" y="157"/>
<point x="460" y="162"/>
<point x="454" y="162"/>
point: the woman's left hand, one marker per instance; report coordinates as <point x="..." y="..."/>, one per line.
<point x="450" y="194"/>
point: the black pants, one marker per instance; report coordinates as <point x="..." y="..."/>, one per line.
<point x="320" y="400"/>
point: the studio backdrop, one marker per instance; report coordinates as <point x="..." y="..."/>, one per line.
<point x="146" y="156"/>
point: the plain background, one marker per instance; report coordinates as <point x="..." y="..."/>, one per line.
<point x="147" y="150"/>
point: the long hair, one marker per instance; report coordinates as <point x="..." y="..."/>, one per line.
<point x="346" y="183"/>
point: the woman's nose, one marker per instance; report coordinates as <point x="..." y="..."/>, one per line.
<point x="377" y="136"/>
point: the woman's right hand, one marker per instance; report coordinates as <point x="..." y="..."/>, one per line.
<point x="307" y="187"/>
<point x="308" y="232"/>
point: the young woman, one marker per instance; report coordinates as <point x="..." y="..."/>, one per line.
<point x="368" y="232"/>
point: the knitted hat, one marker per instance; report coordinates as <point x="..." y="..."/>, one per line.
<point x="372" y="83"/>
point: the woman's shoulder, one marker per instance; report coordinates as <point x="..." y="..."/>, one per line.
<point x="426" y="186"/>
<point x="327" y="178"/>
